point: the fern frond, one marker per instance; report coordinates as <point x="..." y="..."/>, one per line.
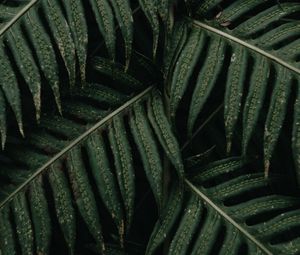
<point x="73" y="154"/>
<point x="217" y="206"/>
<point x="270" y="69"/>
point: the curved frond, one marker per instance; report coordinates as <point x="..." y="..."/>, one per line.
<point x="73" y="154"/>
<point x="229" y="210"/>
<point x="36" y="36"/>
<point x="233" y="53"/>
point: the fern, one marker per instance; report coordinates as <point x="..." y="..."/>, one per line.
<point x="236" y="46"/>
<point x="27" y="42"/>
<point x="63" y="165"/>
<point x="136" y="160"/>
<point x="217" y="205"/>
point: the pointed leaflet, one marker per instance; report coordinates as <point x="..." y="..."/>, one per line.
<point x="163" y="9"/>
<point x="44" y="52"/>
<point x="278" y="224"/>
<point x="23" y="223"/>
<point x="9" y="86"/>
<point x="218" y="168"/>
<point x="124" y="17"/>
<point x="62" y="36"/>
<point x="104" y="178"/>
<point x="234" y="91"/>
<point x="184" y="68"/>
<point x="124" y="164"/>
<point x="105" y="20"/>
<point x="277" y="35"/>
<point x="208" y="234"/>
<point x="291" y="51"/>
<point x="2" y="119"/>
<point x="150" y="10"/>
<point x="296" y="133"/>
<point x="7" y="240"/>
<point x="266" y="204"/>
<point x="78" y="27"/>
<point x="25" y="63"/>
<point x="276" y="113"/>
<point x="106" y="67"/>
<point x="255" y="98"/>
<point x="84" y="196"/>
<point x="102" y="94"/>
<point x="40" y="216"/>
<point x="264" y="18"/>
<point x="175" y="45"/>
<point x="145" y="141"/>
<point x="63" y="204"/>
<point x="162" y="128"/>
<point x="236" y="9"/>
<point x="167" y="219"/>
<point x="187" y="226"/>
<point x="232" y="242"/>
<point x="207" y="77"/>
<point x="239" y="185"/>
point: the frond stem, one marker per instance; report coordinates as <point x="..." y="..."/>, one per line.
<point x="76" y="141"/>
<point x="228" y="218"/>
<point x="245" y="44"/>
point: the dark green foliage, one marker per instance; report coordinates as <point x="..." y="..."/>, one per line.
<point x="149" y="127"/>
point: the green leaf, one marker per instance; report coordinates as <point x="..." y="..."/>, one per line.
<point x="62" y="36"/>
<point x="209" y="231"/>
<point x="187" y="226"/>
<point x="175" y="46"/>
<point x="10" y="88"/>
<point x="255" y="98"/>
<point x="83" y="195"/>
<point x="206" y="80"/>
<point x="105" y="179"/>
<point x="124" y="165"/>
<point x="23" y="224"/>
<point x="234" y="91"/>
<point x="167" y="219"/>
<point x="162" y="129"/>
<point x="184" y="67"/>
<point x="78" y="27"/>
<point x="107" y="68"/>
<point x="7" y="243"/>
<point x="105" y="20"/>
<point x="63" y="204"/>
<point x="44" y="52"/>
<point x="150" y="10"/>
<point x="2" y="119"/>
<point x="26" y="64"/>
<point x="40" y="217"/>
<point x="265" y="18"/>
<point x="276" y="114"/>
<point x="145" y="141"/>
<point x="124" y="17"/>
<point x="296" y="135"/>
